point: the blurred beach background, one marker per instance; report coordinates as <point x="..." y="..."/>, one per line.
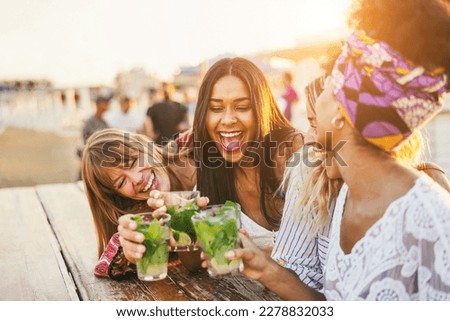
<point x="57" y="56"/>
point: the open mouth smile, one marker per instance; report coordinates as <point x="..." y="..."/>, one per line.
<point x="231" y="141"/>
<point x="152" y="183"/>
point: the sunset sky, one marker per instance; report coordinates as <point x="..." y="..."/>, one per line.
<point x="76" y="42"/>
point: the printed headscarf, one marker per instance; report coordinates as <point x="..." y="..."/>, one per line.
<point x="383" y="95"/>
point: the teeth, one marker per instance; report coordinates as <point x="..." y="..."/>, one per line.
<point x="150" y="182"/>
<point x="228" y="135"/>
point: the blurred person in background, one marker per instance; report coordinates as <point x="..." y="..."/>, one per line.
<point x="168" y="91"/>
<point x="167" y="118"/>
<point x="126" y="117"/>
<point x="290" y="95"/>
<point x="96" y="121"/>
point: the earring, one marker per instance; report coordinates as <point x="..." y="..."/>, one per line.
<point x="338" y="122"/>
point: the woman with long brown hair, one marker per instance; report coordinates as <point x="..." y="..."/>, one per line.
<point x="241" y="142"/>
<point x="119" y="170"/>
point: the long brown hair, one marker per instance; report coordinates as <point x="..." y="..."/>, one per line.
<point x="218" y="183"/>
<point x="105" y="149"/>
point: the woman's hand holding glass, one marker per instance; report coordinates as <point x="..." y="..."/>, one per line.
<point x="255" y="259"/>
<point x="131" y="240"/>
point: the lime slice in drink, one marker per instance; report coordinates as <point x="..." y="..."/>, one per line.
<point x="181" y="238"/>
<point x="184" y="239"/>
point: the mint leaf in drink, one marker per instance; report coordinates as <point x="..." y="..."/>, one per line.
<point x="137" y="218"/>
<point x="155" y="242"/>
<point x="232" y="204"/>
<point x="226" y="207"/>
<point x="206" y="233"/>
<point x="218" y="233"/>
<point x="181" y="219"/>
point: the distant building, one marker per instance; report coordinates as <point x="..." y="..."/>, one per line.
<point x="134" y="83"/>
<point x="25" y="84"/>
<point x="191" y="76"/>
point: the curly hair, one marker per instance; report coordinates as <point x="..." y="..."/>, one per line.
<point x="418" y="29"/>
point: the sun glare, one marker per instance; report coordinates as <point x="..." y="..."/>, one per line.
<point x="99" y="39"/>
<point x="325" y="17"/>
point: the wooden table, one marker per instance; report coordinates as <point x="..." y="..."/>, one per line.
<point x="48" y="252"/>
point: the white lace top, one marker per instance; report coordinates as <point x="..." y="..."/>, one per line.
<point x="405" y="255"/>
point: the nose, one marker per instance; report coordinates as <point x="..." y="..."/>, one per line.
<point x="229" y="117"/>
<point x="136" y="177"/>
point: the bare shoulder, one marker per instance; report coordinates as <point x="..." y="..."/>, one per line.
<point x="182" y="173"/>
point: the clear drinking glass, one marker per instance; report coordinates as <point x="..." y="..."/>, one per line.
<point x="179" y="198"/>
<point x="153" y="265"/>
<point x="182" y="205"/>
<point x="217" y="231"/>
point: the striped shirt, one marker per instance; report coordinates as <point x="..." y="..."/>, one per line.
<point x="294" y="247"/>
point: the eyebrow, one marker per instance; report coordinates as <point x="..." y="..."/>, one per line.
<point x="237" y="100"/>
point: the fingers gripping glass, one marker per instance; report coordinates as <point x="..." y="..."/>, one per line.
<point x="217" y="231"/>
<point x="153" y="264"/>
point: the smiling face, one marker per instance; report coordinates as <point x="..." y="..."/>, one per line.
<point x="136" y="179"/>
<point x="230" y="119"/>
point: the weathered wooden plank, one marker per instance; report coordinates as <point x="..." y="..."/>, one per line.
<point x="200" y="286"/>
<point x="31" y="265"/>
<point x="70" y="217"/>
<point x="69" y="214"/>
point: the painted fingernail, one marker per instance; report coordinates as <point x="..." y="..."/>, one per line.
<point x="229" y="255"/>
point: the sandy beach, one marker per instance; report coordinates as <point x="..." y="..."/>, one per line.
<point x="29" y="157"/>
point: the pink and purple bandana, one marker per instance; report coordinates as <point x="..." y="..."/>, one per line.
<point x="384" y="96"/>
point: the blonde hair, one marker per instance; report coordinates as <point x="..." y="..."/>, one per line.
<point x="106" y="149"/>
<point x="314" y="188"/>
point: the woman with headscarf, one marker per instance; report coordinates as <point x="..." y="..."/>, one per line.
<point x="388" y="237"/>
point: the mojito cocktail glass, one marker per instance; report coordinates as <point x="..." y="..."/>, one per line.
<point x="153" y="264"/>
<point x="217" y="231"/>
<point x="182" y="205"/>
